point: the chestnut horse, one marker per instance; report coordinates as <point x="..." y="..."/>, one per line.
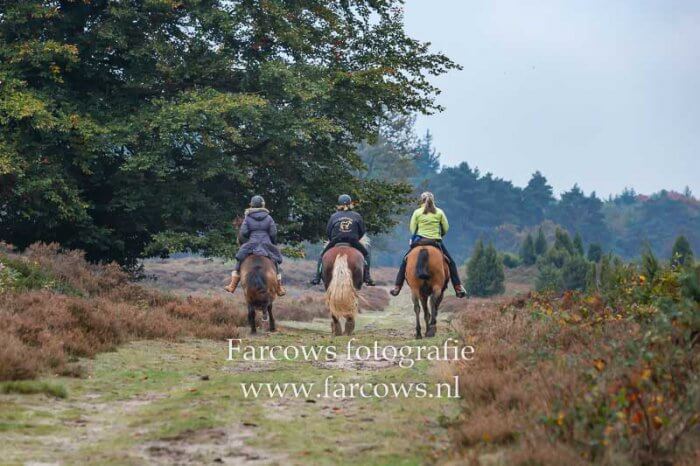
<point x="343" y="268"/>
<point x="259" y="282"/>
<point x="427" y="275"/>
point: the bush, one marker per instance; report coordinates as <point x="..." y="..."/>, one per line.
<point x="549" y="279"/>
<point x="43" y="328"/>
<point x="591" y="378"/>
<point x="574" y="273"/>
<point x="485" y="275"/>
<point x="509" y="260"/>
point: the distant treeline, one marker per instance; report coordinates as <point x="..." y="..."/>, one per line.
<point x="483" y="206"/>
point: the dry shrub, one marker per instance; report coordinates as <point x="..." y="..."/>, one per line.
<point x="374" y="299"/>
<point x="17" y="361"/>
<point x="304" y="309"/>
<point x="489" y="426"/>
<point x="43" y="329"/>
<point x="556" y="381"/>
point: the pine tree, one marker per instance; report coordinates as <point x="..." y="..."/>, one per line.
<point x="485" y="276"/>
<point x="650" y="264"/>
<point x="595" y="252"/>
<point x="562" y="241"/>
<point x="527" y="251"/>
<point x="540" y="243"/>
<point x="682" y="253"/>
<point x="578" y="244"/>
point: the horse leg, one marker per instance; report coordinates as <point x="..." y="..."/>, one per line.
<point x="272" y="319"/>
<point x="434" y="303"/>
<point x="335" y="326"/>
<point x="416" y="309"/>
<point x="349" y="325"/>
<point x="251" y="319"/>
<point x="426" y="313"/>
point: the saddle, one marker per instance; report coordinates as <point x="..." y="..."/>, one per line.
<point x="430" y="242"/>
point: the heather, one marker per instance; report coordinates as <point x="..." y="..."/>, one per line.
<point x="56" y="308"/>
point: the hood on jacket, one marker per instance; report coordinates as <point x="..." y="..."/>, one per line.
<point x="258" y="213"/>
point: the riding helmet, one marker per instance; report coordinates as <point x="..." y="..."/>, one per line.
<point x="344" y="199"/>
<point x="257" y="202"/>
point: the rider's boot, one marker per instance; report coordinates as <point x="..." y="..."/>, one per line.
<point x="235" y="278"/>
<point x="281" y="291"/>
<point x="368" y="278"/>
<point x="317" y="278"/>
<point x="459" y="291"/>
<point x="396" y="290"/>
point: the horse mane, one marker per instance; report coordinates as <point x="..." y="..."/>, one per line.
<point x="341" y="295"/>
<point x="423" y="264"/>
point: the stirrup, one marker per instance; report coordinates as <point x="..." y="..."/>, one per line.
<point x="316" y="281"/>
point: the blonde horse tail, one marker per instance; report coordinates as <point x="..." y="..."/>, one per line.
<point x="341" y="295"/>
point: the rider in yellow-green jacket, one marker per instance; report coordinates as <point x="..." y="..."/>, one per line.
<point x="429" y="222"/>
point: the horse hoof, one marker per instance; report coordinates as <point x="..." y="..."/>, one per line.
<point x="419" y="336"/>
<point x="430" y="332"/>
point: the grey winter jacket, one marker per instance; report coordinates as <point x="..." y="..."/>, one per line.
<point x="258" y="234"/>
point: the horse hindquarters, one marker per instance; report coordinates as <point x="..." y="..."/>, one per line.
<point x="341" y="296"/>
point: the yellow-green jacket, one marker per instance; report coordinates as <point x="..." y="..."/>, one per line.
<point x="428" y="225"/>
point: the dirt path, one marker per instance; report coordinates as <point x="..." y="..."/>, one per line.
<point x="182" y="403"/>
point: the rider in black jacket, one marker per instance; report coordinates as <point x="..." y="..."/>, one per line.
<point x="345" y="226"/>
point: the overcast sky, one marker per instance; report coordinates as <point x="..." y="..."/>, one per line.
<point x="603" y="93"/>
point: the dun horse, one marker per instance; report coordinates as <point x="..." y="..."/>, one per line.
<point x="259" y="282"/>
<point x="343" y="267"/>
<point x="428" y="275"/>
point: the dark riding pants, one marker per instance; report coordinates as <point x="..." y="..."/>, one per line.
<point x="454" y="273"/>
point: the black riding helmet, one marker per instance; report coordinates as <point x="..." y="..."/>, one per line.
<point x="257" y="202"/>
<point x="345" y="200"/>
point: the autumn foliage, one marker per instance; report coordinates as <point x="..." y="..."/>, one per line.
<point x="580" y="378"/>
<point x="55" y="307"/>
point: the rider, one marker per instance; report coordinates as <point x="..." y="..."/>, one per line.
<point x="429" y="222"/>
<point x="345" y="226"/>
<point x="258" y="236"/>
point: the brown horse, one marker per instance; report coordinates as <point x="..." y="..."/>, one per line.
<point x="260" y="286"/>
<point x="427" y="275"/>
<point x="343" y="267"/>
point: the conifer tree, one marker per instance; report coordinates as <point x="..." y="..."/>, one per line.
<point x="485" y="275"/>
<point x="540" y="243"/>
<point x="562" y="241"/>
<point x="595" y="252"/>
<point x="578" y="245"/>
<point x="527" y="251"/>
<point x="682" y="253"/>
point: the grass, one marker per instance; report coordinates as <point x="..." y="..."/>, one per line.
<point x="153" y="392"/>
<point x="31" y="387"/>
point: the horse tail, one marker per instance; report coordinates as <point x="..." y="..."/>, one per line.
<point x="423" y="265"/>
<point x="341" y="295"/>
<point x="255" y="280"/>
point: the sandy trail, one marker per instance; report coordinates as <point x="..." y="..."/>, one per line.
<point x="180" y="403"/>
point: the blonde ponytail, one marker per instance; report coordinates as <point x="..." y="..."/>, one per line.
<point x="428" y="201"/>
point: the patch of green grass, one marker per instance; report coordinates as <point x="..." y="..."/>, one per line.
<point x="29" y="387"/>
